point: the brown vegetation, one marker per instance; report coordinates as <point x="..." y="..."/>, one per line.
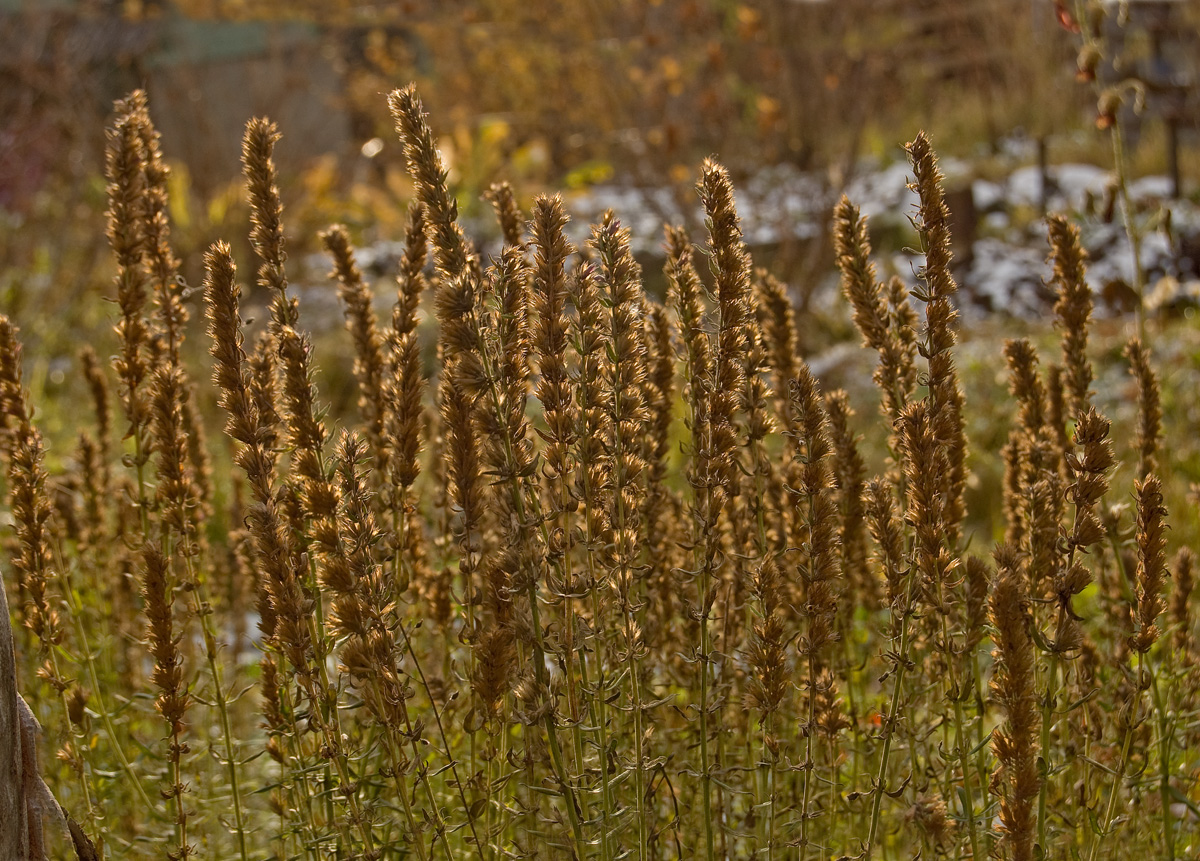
<point x="612" y="581"/>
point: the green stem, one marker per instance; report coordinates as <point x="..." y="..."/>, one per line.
<point x="1131" y="228"/>
<point x="556" y="757"/>
<point x="394" y="757"/>
<point x="960" y="743"/>
<point x="490" y="823"/>
<point x="518" y="487"/>
<point x="626" y="582"/>
<point x="398" y="768"/>
<point x="964" y="763"/>
<point x="177" y="792"/>
<point x="78" y="737"/>
<point x="1121" y="765"/>
<point x="809" y="765"/>
<point x="772" y="805"/>
<point x="632" y="666"/>
<point x="322" y="694"/>
<point x="1164" y="768"/>
<point x="297" y="779"/>
<point x="202" y="611"/>
<point x="889" y="730"/>
<point x="437" y="717"/>
<point x="981" y="758"/>
<point x="1049" y="700"/>
<point x="102" y="709"/>
<point x="573" y="690"/>
<point x="705" y="648"/>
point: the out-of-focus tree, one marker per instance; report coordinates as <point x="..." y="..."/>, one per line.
<point x="650" y="84"/>
<point x="647" y="87"/>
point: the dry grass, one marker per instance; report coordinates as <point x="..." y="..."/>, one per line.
<point x="612" y="581"/>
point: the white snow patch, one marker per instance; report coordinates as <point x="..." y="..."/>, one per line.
<point x="986" y="195"/>
<point x="1005" y="277"/>
<point x="1150" y="187"/>
<point x="884" y="191"/>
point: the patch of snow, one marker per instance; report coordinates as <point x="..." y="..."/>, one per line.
<point x="382" y="256"/>
<point x="1150" y="187"/>
<point x="906" y="265"/>
<point x="782" y="202"/>
<point x="986" y="195"/>
<point x="1074" y="181"/>
<point x="1185" y="217"/>
<point x="954" y="169"/>
<point x="1018" y="147"/>
<point x="1111" y="257"/>
<point x="996" y="222"/>
<point x="826" y="363"/>
<point x="1024" y="186"/>
<point x="1005" y="277"/>
<point x="1070" y="184"/>
<point x="883" y="192"/>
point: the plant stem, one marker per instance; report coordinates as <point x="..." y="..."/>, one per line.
<point x="556" y="757"/>
<point x="102" y="709"/>
<point x="705" y="648"/>
<point x="889" y="730"/>
<point x="437" y="716"/>
<point x="809" y="765"/>
<point x="1048" y="704"/>
<point x="322" y="695"/>
<point x="1122" y="764"/>
<point x="518" y="487"/>
<point x="1165" y="733"/>
<point x="202" y="611"/>
<point x="1131" y="228"/>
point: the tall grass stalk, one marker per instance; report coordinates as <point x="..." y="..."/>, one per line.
<point x="568" y="574"/>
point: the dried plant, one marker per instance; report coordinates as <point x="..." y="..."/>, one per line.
<point x="364" y="331"/>
<point x="1013" y="687"/>
<point x="1073" y="311"/>
<point x="1149" y="432"/>
<point x="607" y="578"/>
<point x="1181" y="595"/>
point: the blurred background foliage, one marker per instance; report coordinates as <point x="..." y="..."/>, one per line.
<point x="590" y="98"/>
<point x="544" y="94"/>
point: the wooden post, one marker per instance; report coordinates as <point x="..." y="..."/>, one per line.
<point x="1043" y="160"/>
<point x="1173" y="157"/>
<point x="14" y="814"/>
